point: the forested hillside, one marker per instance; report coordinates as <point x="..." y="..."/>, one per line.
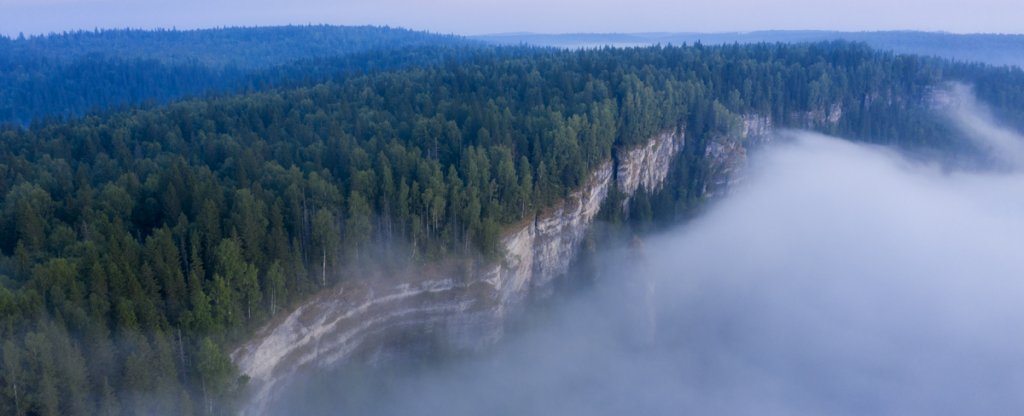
<point x="137" y="245"/>
<point x="73" y="73"/>
<point x="256" y="47"/>
<point x="994" y="49"/>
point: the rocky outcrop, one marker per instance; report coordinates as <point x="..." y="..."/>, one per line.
<point x="824" y="116"/>
<point x="381" y="320"/>
<point x="374" y="320"/>
<point x="544" y="250"/>
<point x="648" y="165"/>
<point x="727" y="154"/>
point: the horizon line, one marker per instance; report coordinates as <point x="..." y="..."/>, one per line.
<point x="176" y="29"/>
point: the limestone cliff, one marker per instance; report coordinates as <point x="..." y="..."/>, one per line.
<point x="383" y="319"/>
<point x="727" y="154"/>
<point x="452" y="311"/>
<point x="647" y="165"/>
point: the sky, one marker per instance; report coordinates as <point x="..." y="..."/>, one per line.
<point x="838" y="279"/>
<point x="470" y="17"/>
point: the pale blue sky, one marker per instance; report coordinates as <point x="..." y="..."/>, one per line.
<point x="495" y="16"/>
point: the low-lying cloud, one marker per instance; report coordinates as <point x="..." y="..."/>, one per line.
<point x="977" y="123"/>
<point x="840" y="279"/>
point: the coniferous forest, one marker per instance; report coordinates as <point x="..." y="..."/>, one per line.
<point x="139" y="242"/>
<point x="71" y="74"/>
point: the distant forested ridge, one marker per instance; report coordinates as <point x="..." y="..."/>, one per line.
<point x="255" y="47"/>
<point x="136" y="245"/>
<point x="993" y="49"/>
<point x="70" y="74"/>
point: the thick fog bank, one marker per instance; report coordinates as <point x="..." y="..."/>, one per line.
<point x="840" y="279"/>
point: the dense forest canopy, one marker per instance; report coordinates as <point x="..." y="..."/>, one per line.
<point x="255" y="47"/>
<point x="136" y="245"/>
<point x="994" y="49"/>
<point x="69" y="74"/>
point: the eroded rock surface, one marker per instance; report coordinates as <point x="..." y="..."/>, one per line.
<point x="361" y="319"/>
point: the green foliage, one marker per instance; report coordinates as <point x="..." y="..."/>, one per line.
<point x="139" y="245"/>
<point x="70" y="74"/>
<point x="216" y="374"/>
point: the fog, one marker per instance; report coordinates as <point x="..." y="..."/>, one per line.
<point x="977" y="122"/>
<point x="839" y="279"/>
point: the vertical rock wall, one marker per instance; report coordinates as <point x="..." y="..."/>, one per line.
<point x="359" y="319"/>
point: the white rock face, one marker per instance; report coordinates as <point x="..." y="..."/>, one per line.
<point x="756" y="128"/>
<point x="359" y="320"/>
<point x="540" y="252"/>
<point x="356" y="319"/>
<point x="338" y="324"/>
<point x="820" y="117"/>
<point x="543" y="249"/>
<point x="727" y="155"/>
<point x="648" y="165"/>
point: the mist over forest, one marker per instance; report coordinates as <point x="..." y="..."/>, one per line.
<point x="373" y="220"/>
<point x="839" y="278"/>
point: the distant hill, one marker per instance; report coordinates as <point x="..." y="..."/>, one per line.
<point x="70" y="74"/>
<point x="243" y="47"/>
<point x="136" y="247"/>
<point x="992" y="49"/>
